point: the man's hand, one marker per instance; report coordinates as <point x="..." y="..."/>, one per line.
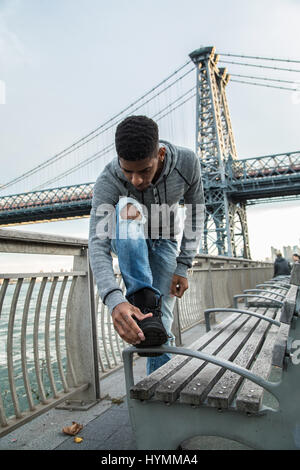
<point x="179" y="285"/>
<point x="125" y="325"/>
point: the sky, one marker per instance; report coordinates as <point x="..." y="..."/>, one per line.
<point x="69" y="65"/>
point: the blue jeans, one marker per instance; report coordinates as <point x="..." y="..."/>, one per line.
<point x="146" y="263"/>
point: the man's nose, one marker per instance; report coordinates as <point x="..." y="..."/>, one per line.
<point x="136" y="180"/>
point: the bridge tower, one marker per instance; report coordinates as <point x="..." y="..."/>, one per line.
<point x="225" y="231"/>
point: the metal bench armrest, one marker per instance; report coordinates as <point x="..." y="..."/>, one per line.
<point x="279" y="302"/>
<point x="272" y="387"/>
<point x="272" y="285"/>
<point x="280" y="284"/>
<point x="236" y="310"/>
<point x="265" y="291"/>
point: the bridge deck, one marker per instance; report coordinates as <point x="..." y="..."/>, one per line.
<point x="270" y="176"/>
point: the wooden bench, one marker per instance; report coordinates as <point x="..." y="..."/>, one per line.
<point x="238" y="381"/>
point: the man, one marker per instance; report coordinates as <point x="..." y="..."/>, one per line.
<point x="135" y="215"/>
<point x="281" y="266"/>
<point x="296" y="258"/>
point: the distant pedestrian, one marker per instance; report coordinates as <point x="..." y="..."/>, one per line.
<point x="281" y="266"/>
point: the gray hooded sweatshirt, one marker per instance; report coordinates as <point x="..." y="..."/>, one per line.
<point x="180" y="180"/>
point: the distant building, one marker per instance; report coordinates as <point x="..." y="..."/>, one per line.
<point x="274" y="252"/>
<point x="296" y="249"/>
<point x="287" y="252"/>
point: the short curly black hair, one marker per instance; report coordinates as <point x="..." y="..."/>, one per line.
<point x="136" y="138"/>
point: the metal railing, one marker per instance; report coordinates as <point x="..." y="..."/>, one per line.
<point x="110" y="343"/>
<point x="263" y="167"/>
<point x="213" y="281"/>
<point x="48" y="341"/>
<point x="61" y="195"/>
<point x="57" y="338"/>
<point x="37" y="325"/>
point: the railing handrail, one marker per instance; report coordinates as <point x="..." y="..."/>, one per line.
<point x="227" y="258"/>
<point x="37" y="237"/>
<point x="41" y="274"/>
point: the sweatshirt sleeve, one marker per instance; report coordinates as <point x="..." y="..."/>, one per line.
<point x="102" y="219"/>
<point x="194" y="221"/>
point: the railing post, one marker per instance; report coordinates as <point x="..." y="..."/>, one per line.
<point x="82" y="337"/>
<point x="210" y="292"/>
<point x="176" y="329"/>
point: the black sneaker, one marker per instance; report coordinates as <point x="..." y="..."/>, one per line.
<point x="152" y="327"/>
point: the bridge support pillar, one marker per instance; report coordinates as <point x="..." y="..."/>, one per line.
<point x="226" y="223"/>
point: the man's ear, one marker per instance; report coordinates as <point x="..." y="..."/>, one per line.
<point x="162" y="153"/>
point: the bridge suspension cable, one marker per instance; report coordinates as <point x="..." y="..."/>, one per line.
<point x="110" y="147"/>
<point x="260" y="66"/>
<point x="265" y="85"/>
<point x="259" y="58"/>
<point x="261" y="78"/>
<point x="110" y="123"/>
<point x="77" y="167"/>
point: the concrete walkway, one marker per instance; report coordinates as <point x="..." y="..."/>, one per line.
<point x="106" y="425"/>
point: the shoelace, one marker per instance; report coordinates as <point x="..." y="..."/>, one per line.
<point x="156" y="311"/>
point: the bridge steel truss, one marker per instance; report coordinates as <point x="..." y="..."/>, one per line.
<point x="225" y="230"/>
<point x="66" y="202"/>
<point x="271" y="176"/>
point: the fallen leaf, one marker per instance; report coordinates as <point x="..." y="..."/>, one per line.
<point x="73" y="429"/>
<point x="117" y="401"/>
<point x="78" y="440"/>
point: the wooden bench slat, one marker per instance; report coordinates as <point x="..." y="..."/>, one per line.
<point x="289" y="305"/>
<point x="144" y="389"/>
<point x="230" y="381"/>
<point x="279" y="348"/>
<point x="169" y="390"/>
<point x="268" y="302"/>
<point x="194" y="393"/>
<point x="250" y="395"/>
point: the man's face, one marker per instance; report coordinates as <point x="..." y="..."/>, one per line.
<point x="141" y="173"/>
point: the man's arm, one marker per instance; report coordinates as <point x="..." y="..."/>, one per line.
<point x="193" y="229"/>
<point x="100" y="256"/>
<point x="101" y="229"/>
